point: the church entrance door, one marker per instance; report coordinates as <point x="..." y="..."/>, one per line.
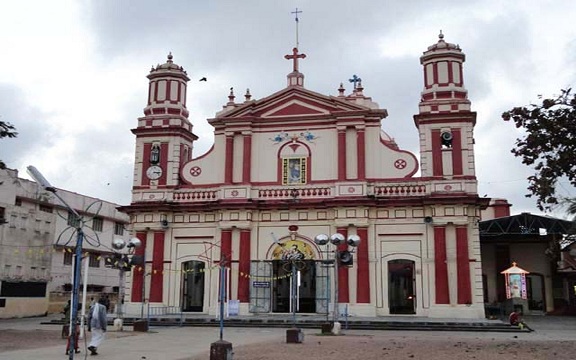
<point x="401" y="292"/>
<point x="282" y="293"/>
<point x="193" y="286"/>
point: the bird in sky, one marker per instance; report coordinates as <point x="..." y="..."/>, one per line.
<point x="203" y="79"/>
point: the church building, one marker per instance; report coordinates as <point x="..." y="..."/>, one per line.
<point x="297" y="164"/>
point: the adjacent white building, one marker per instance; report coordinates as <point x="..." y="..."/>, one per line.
<point x="37" y="241"/>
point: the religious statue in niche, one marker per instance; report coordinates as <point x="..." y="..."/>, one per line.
<point x="515" y="282"/>
<point x="515" y="285"/>
<point x="293" y="250"/>
<point x="294" y="171"/>
<point x="155" y="154"/>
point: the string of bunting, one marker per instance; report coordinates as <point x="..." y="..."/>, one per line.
<point x="43" y="251"/>
<point x="214" y="267"/>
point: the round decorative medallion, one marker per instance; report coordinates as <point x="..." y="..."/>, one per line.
<point x="351" y="190"/>
<point x="400" y="164"/>
<point x="448" y="187"/>
<point x="195" y="171"/>
<point x="234" y="193"/>
<point x="293" y="228"/>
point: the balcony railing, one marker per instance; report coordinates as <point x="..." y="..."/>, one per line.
<point x="400" y="190"/>
<point x="287" y="193"/>
<point x="195" y="195"/>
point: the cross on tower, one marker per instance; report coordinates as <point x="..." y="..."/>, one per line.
<point x="295" y="56"/>
<point x="355" y="79"/>
<point x="297" y="12"/>
<point x="296" y="18"/>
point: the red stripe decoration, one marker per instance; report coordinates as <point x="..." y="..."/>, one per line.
<point x="228" y="162"/>
<point x="244" y="267"/>
<point x="463" y="265"/>
<point x="437" y="169"/>
<point x="138" y="275"/>
<point x="341" y="155"/>
<point x="456" y="152"/>
<point x="226" y="245"/>
<point x="226" y="252"/>
<point x="361" y="159"/>
<point x="363" y="270"/>
<point x="156" y="282"/>
<point x="440" y="266"/>
<point x="247" y="158"/>
<point x="145" y="163"/>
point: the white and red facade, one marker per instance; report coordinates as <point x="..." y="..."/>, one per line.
<point x="295" y="164"/>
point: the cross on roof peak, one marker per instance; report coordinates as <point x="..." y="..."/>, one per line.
<point x="295" y="56"/>
<point x="356" y="80"/>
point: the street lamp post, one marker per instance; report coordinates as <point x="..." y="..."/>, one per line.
<point x="336" y="240"/>
<point x="41" y="180"/>
<point x="123" y="263"/>
<point x="221" y="349"/>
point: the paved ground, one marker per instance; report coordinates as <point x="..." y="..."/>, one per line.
<point x="554" y="338"/>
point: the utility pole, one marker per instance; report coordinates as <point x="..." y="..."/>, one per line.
<point x="41" y="180"/>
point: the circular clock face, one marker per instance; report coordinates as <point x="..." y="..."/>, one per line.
<point x="154" y="172"/>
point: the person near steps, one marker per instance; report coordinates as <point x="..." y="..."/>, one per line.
<point x="97" y="325"/>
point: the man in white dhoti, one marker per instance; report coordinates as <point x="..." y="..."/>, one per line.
<point x="97" y="324"/>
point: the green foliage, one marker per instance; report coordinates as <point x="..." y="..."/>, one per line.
<point x="6" y="130"/>
<point x="549" y="146"/>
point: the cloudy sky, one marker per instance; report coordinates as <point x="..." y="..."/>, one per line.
<point x="73" y="73"/>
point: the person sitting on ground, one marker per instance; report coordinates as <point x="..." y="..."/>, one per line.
<point x="515" y="318"/>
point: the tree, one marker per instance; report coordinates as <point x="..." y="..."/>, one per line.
<point x="549" y="145"/>
<point x="6" y="130"/>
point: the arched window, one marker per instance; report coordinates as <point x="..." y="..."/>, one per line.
<point x="294" y="163"/>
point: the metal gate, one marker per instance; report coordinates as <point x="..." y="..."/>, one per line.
<point x="260" y="286"/>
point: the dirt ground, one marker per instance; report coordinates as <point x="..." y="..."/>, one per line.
<point x="364" y="345"/>
<point x="12" y="339"/>
<point x="22" y="339"/>
<point x="384" y="346"/>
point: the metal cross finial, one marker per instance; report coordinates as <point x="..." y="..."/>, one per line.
<point x="296" y="12"/>
<point x="355" y="79"/>
<point x="295" y="56"/>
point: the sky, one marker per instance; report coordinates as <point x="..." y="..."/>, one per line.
<point x="73" y="73"/>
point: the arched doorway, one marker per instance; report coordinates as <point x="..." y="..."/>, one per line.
<point x="282" y="293"/>
<point x="193" y="286"/>
<point x="401" y="288"/>
<point x="293" y="261"/>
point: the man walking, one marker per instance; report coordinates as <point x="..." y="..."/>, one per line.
<point x="97" y="324"/>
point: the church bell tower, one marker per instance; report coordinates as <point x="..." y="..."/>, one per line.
<point x="164" y="137"/>
<point x="445" y="122"/>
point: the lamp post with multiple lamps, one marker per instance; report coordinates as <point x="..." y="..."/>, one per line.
<point x="341" y="258"/>
<point x="124" y="263"/>
<point x="41" y="180"/>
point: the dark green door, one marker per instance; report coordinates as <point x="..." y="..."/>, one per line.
<point x="193" y="286"/>
<point x="401" y="294"/>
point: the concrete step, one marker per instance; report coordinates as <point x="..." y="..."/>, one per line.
<point x="317" y="323"/>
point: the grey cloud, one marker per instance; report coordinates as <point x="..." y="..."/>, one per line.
<point x="242" y="44"/>
<point x="33" y="131"/>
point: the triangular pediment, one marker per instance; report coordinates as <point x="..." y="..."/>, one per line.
<point x="295" y="107"/>
<point x="293" y="102"/>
